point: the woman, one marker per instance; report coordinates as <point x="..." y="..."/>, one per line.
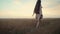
<point x="38" y="12"/>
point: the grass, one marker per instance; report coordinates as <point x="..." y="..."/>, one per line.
<point x="24" y="26"/>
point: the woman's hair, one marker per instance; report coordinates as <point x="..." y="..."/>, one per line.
<point x="37" y="7"/>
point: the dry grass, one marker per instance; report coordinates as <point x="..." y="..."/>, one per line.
<point x="27" y="26"/>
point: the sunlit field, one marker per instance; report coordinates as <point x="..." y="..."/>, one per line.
<point x="27" y="26"/>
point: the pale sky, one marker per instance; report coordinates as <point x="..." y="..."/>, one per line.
<point x="25" y="8"/>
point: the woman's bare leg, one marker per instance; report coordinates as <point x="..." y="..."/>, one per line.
<point x="37" y="20"/>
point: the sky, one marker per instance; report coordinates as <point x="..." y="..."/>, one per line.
<point x="25" y="8"/>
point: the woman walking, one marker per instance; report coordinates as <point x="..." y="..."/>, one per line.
<point x="38" y="12"/>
